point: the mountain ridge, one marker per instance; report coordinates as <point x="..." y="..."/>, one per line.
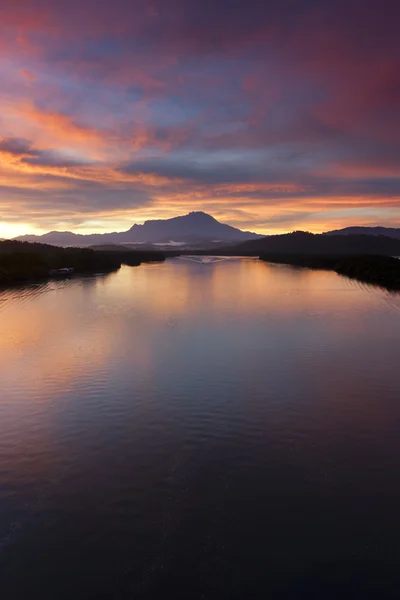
<point x="194" y="226"/>
<point x="391" y="232"/>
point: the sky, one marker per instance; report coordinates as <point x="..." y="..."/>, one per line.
<point x="271" y="116"/>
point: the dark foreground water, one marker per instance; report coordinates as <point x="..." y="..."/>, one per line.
<point x="186" y="430"/>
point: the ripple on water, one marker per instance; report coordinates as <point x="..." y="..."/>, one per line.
<point x="194" y="430"/>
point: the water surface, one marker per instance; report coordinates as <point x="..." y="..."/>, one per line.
<point x="203" y="428"/>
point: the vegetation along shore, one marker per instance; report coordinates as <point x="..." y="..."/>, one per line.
<point x="378" y="270"/>
<point x="23" y="261"/>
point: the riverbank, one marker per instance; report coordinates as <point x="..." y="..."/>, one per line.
<point x="26" y="262"/>
<point x="378" y="270"/>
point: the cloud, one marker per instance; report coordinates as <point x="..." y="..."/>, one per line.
<point x="262" y="114"/>
<point x="17" y="146"/>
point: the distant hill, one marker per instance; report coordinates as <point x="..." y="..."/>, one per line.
<point x="193" y="227"/>
<point x="301" y="242"/>
<point x="15" y="246"/>
<point x="391" y="232"/>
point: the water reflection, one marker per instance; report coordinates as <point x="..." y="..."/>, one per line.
<point x="166" y="417"/>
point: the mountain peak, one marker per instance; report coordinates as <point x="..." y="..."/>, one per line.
<point x="196" y="226"/>
<point x="195" y="216"/>
<point x="200" y="214"/>
<point x="198" y="217"/>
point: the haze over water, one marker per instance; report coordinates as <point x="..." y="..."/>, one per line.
<point x="202" y="428"/>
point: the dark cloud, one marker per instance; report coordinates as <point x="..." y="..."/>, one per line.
<point x="24" y="150"/>
<point x="17" y="146"/>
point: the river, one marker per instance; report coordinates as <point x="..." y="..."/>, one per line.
<point x="200" y="428"/>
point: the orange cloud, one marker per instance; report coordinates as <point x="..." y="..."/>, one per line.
<point x="51" y="128"/>
<point x="61" y="127"/>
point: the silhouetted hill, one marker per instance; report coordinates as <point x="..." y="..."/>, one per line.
<point x="195" y="226"/>
<point x="391" y="232"/>
<point x="300" y="242"/>
<point x="11" y="246"/>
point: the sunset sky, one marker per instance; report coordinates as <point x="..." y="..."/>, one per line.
<point x="271" y="116"/>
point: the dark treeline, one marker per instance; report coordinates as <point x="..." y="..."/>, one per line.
<point x="23" y="261"/>
<point x="301" y="242"/>
<point x="307" y="244"/>
<point x="375" y="269"/>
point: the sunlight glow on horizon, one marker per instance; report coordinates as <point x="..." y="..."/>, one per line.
<point x="122" y="223"/>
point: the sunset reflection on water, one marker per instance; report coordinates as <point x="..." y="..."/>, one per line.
<point x="175" y="409"/>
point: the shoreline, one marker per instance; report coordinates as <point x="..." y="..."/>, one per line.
<point x="28" y="263"/>
<point x="382" y="271"/>
<point x="24" y="263"/>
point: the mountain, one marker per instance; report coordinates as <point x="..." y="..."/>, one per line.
<point x="391" y="232"/>
<point x="301" y="242"/>
<point x="196" y="227"/>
